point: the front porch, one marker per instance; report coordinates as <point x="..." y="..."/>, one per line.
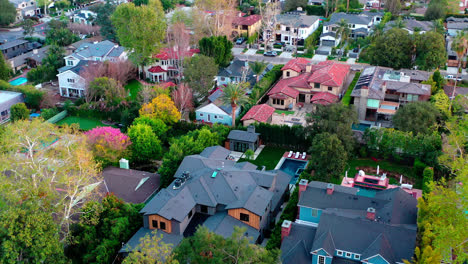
<point x="71" y="92"/>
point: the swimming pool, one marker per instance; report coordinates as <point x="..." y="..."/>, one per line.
<point x="19" y="81"/>
<point x="293" y="168"/>
<point x="360" y="127"/>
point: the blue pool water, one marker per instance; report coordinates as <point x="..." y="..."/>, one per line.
<point x="360" y="127"/>
<point x="294" y="168"/>
<point x="19" y="81"/>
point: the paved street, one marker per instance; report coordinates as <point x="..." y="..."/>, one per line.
<point x="16" y="33"/>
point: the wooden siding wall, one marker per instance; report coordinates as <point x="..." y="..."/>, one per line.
<point x="160" y="219"/>
<point x="254" y="220"/>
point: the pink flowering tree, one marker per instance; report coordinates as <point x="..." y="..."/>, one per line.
<point x="109" y="145"/>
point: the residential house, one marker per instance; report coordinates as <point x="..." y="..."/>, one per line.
<point x="215" y="111"/>
<point x="30" y="59"/>
<point x="240" y="140"/>
<point x="455" y="25"/>
<point x="11" y="49"/>
<point x="337" y="224"/>
<point x="246" y="25"/>
<point x="7" y="100"/>
<point x="262" y="113"/>
<point x="239" y="71"/>
<point x="360" y="26"/>
<point x="71" y="81"/>
<point x="293" y="28"/>
<point x="165" y="67"/>
<point x="25" y="8"/>
<point x="412" y="25"/>
<point x="213" y="191"/>
<point x="132" y="186"/>
<point x="84" y="16"/>
<point x="380" y="91"/>
<point x="301" y="81"/>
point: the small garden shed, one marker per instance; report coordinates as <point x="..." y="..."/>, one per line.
<point x="241" y="141"/>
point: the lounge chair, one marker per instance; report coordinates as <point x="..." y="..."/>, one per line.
<point x="297" y="155"/>
<point x="303" y="155"/>
<point x="290" y="154"/>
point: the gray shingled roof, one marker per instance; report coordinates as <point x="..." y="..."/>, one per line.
<point x="134" y="241"/>
<point x="12" y="43"/>
<point x="257" y="202"/>
<point x="412" y="24"/>
<point x="296" y="20"/>
<point x="409" y="88"/>
<point x="215" y="152"/>
<point x="223" y="224"/>
<point x="235" y="69"/>
<point x="295" y="248"/>
<point x="361" y="19"/>
<point x="241" y="135"/>
<point x="100" y="49"/>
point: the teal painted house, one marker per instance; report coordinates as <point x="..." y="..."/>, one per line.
<point x="214" y="111"/>
<point x="335" y="225"/>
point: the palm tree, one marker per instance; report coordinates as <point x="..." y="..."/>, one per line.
<point x="257" y="68"/>
<point x="438" y="26"/>
<point x="343" y="30"/>
<point x="460" y="46"/>
<point x="234" y="95"/>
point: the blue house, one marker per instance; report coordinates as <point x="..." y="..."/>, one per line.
<point x="239" y="71"/>
<point x="214" y="111"/>
<point x="336" y="225"/>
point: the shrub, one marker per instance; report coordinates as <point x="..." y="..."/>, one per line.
<point x="145" y="144"/>
<point x="249" y="154"/>
<point x="108" y="144"/>
<point x="362" y="152"/>
<point x="418" y="167"/>
<point x="19" y="111"/>
<point x="49" y="113"/>
<point x="32" y="96"/>
<point x="347" y="97"/>
<point x="428" y="177"/>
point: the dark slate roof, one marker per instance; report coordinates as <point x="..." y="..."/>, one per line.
<point x="296" y="20"/>
<point x="295" y="248"/>
<point x="241" y="135"/>
<point x="338" y="260"/>
<point x="235" y="69"/>
<point x="100" y="49"/>
<point x="132" y="186"/>
<point x="330" y="33"/>
<point x="215" y="99"/>
<point x="412" y="24"/>
<point x="215" y="152"/>
<point x="409" y="88"/>
<point x="216" y="95"/>
<point x="12" y="43"/>
<point x="223" y="224"/>
<point x="361" y="19"/>
<point x="134" y="241"/>
<point x="81" y="65"/>
<point x="257" y="202"/>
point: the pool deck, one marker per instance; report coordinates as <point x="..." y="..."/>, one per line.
<point x="285" y="156"/>
<point x="19" y="76"/>
<point x="237" y="155"/>
<point x="416" y="193"/>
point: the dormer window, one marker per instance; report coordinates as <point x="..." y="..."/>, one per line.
<point x="348" y="255"/>
<point x="70" y="63"/>
<point x="317" y="85"/>
<point x="357" y="256"/>
<point x="339" y="253"/>
<point x="288" y="73"/>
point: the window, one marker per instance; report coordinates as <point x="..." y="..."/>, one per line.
<point x="287" y="74"/>
<point x="330" y="88"/>
<point x="348" y="255"/>
<point x="244" y="217"/>
<point x="321" y="260"/>
<point x="287" y="28"/>
<point x="339" y="253"/>
<point x="314" y="212"/>
<point x="286" y="38"/>
<point x="190" y="214"/>
<point x="162" y="225"/>
<point x="215" y="116"/>
<point x="317" y="85"/>
<point x="357" y="256"/>
<point x="204" y="209"/>
<point x="223" y="79"/>
<point x="154" y="223"/>
<point x="71" y="80"/>
<point x="70" y="63"/>
<point x="201" y="114"/>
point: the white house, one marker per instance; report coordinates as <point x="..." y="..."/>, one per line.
<point x="84" y="17"/>
<point x="25" y="8"/>
<point x="292" y="27"/>
<point x="71" y="82"/>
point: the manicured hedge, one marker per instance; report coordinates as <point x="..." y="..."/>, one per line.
<point x="315" y="10"/>
<point x="266" y="82"/>
<point x="347" y="97"/>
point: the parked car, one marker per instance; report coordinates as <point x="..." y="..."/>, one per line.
<point x="240" y="41"/>
<point x="450" y="77"/>
<point x="270" y="53"/>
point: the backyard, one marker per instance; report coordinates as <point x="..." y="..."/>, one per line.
<point x="133" y="87"/>
<point x="284" y="112"/>
<point x="83" y="122"/>
<point x="269" y="157"/>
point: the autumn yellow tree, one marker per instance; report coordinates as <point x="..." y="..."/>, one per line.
<point x="162" y="107"/>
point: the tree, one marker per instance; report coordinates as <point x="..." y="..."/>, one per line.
<point x="145" y="144"/>
<point x="140" y="29"/>
<point x="223" y="12"/>
<point x="105" y="89"/>
<point x="104" y="12"/>
<point x="328" y="156"/>
<point x="84" y="29"/>
<point x="28" y="27"/>
<point x="416" y="117"/>
<point x="393" y="6"/>
<point x="392" y="49"/>
<point x="430" y="50"/>
<point x="199" y="74"/>
<point x="438" y="26"/>
<point x="334" y="119"/>
<point x="161" y="107"/>
<point x="50" y="64"/>
<point x="218" y="48"/>
<point x="292" y="5"/>
<point x="108" y="144"/>
<point x="60" y="37"/>
<point x="7" y="13"/>
<point x="428" y="177"/>
<point x="258" y="67"/>
<point x="235" y="96"/>
<point x="181" y="44"/>
<point x="441" y="101"/>
<point x="44" y="4"/>
<point x="60" y="177"/>
<point x="207" y="247"/>
<point x="460" y="46"/>
<point x="436" y="9"/>
<point x="19" y="111"/>
<point x="269" y="12"/>
<point x="4" y="68"/>
<point x="399" y="23"/>
<point x="343" y="30"/>
<point x="151" y="250"/>
<point x="183" y="98"/>
<point x="121" y="71"/>
<point x="157" y="125"/>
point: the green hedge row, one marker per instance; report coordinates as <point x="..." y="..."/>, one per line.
<point x="315" y="10"/>
<point x="347" y="97"/>
<point x="266" y="82"/>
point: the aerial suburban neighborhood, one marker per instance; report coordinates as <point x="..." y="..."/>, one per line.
<point x="234" y="131"/>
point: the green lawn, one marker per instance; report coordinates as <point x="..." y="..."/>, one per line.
<point x="83" y="122"/>
<point x="133" y="87"/>
<point x="269" y="157"/>
<point x="284" y="112"/>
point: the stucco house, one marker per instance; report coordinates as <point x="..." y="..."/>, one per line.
<point x="7" y="100"/>
<point x="301" y="80"/>
<point x="215" y="111"/>
<point x="454" y="25"/>
<point x="380" y="91"/>
<point x="213" y="191"/>
<point x="25" y="8"/>
<point x="246" y="25"/>
<point x="337" y="224"/>
<point x="293" y="27"/>
<point x="84" y="16"/>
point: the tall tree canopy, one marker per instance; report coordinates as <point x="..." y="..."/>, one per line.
<point x="430" y="50"/>
<point x="4" y="68"/>
<point x="292" y="5"/>
<point x="7" y="13"/>
<point x="416" y="117"/>
<point x="218" y="48"/>
<point x="392" y="49"/>
<point x="140" y="29"/>
<point x="199" y="74"/>
<point x="104" y="12"/>
<point x="328" y="157"/>
<point x="162" y="107"/>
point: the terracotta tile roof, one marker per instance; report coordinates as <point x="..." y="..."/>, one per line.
<point x="324" y="98"/>
<point x="283" y="87"/>
<point x="297" y="65"/>
<point x="260" y="113"/>
<point x="246" y="21"/>
<point x="167" y="53"/>
<point x="156" y="69"/>
<point x="329" y="73"/>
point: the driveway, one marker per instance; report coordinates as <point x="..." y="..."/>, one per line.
<point x="237" y="51"/>
<point x="251" y="52"/>
<point x="286" y="55"/>
<point x="260" y="57"/>
<point x="318" y="57"/>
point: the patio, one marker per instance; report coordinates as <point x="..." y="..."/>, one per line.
<point x="297" y="118"/>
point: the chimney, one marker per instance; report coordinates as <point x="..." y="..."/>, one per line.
<point x="330" y="188"/>
<point x="95" y="42"/>
<point x="285" y="229"/>
<point x="302" y="186"/>
<point x="251" y="129"/>
<point x="370" y="214"/>
<point x="123" y="164"/>
<point x="34" y="51"/>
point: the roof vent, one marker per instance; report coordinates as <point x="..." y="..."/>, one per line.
<point x="177" y="184"/>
